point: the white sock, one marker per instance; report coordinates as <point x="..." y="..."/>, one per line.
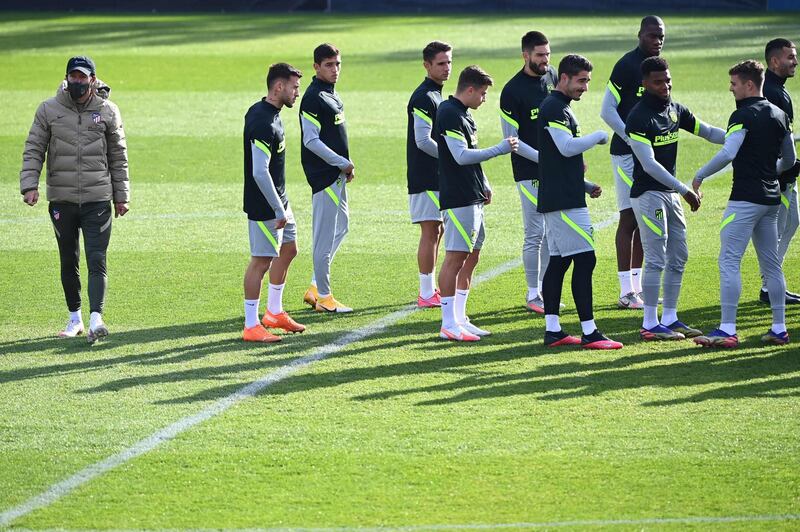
<point x="460" y="306"/>
<point x="551" y="323"/>
<point x="313" y="280"/>
<point x="778" y="328"/>
<point x="539" y="287"/>
<point x="624" y="283"/>
<point x="650" y="317"/>
<point x="76" y="316"/>
<point x="533" y="292"/>
<point x="728" y="328"/>
<point x="636" y="280"/>
<point x="321" y="295"/>
<point x="250" y="313"/>
<point x="588" y="327"/>
<point x="669" y="316"/>
<point x="448" y="313"/>
<point x="426" y="285"/>
<point x="95" y="319"/>
<point x="275" y="298"/>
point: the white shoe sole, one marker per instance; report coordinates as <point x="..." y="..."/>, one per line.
<point x="94" y="335"/>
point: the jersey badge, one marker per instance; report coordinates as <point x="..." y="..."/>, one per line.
<point x="673" y="116"/>
<point x="659" y="214"/>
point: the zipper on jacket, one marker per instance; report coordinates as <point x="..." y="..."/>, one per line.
<point x="80" y="153"/>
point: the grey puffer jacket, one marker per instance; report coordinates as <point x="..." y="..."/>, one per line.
<point x="86" y="153"/>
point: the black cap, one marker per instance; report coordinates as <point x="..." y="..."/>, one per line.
<point x="82" y="63"/>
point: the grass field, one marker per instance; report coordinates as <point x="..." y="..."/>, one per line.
<point x="391" y="427"/>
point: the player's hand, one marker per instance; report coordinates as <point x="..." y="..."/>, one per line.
<point x="596" y="191"/>
<point x="692" y="199"/>
<point x="514" y="143"/>
<point x="488" y="197"/>
<point x="31" y="197"/>
<point x="696" y="187"/>
<point x="120" y="208"/>
<point x="603" y="137"/>
<point x="349" y="172"/>
<point x="280" y="223"/>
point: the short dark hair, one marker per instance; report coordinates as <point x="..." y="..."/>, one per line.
<point x="749" y="70"/>
<point x="532" y="39"/>
<point x="323" y="52"/>
<point x="775" y="46"/>
<point x="281" y="71"/>
<point x="653" y="64"/>
<point x="650" y="20"/>
<point x="473" y="76"/>
<point x="434" y="48"/>
<point x="573" y="64"/>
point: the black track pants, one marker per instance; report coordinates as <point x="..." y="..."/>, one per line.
<point x="94" y="220"/>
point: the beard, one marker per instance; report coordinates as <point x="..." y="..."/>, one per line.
<point x="536" y="69"/>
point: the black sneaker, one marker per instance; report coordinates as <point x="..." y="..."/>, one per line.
<point x="555" y="339"/>
<point x="792" y="299"/>
<point x="793" y="294"/>
<point x="763" y="297"/>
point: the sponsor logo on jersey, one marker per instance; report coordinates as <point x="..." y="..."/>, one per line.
<point x="669" y="138"/>
<point x="640" y="92"/>
<point x="534" y="114"/>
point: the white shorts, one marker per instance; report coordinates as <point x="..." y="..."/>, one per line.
<point x="424" y="207"/>
<point x="463" y="228"/>
<point x="622" y="166"/>
<point x="569" y="232"/>
<point x="266" y="241"/>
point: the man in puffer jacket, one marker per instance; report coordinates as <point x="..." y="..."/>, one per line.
<point x="80" y="136"/>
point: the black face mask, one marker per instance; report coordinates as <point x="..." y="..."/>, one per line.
<point x="77" y="90"/>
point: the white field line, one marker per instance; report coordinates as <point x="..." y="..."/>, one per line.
<point x="62" y="488"/>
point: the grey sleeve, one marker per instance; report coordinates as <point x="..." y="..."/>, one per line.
<point x="712" y="134"/>
<point x="312" y="141"/>
<point x="465" y="156"/>
<point x="423" y="138"/>
<point x="525" y="150"/>
<point x="647" y="158"/>
<point x="609" y="114"/>
<point x="570" y="146"/>
<point x="788" y="153"/>
<point x="264" y="180"/>
<point x="724" y="156"/>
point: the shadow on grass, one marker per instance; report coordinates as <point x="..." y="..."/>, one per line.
<point x="143" y="30"/>
<point x="184" y="343"/>
<point x="751" y="371"/>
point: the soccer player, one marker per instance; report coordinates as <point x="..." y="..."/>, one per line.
<point x="653" y="125"/>
<point x="423" y="168"/>
<point x="760" y="144"/>
<point x="272" y="226"/>
<point x="561" y="199"/>
<point x="781" y="57"/>
<point x="519" y="110"/>
<point x="463" y="191"/>
<point x="623" y="92"/>
<point x="325" y="156"/>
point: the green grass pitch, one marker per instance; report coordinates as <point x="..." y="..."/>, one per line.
<point x="397" y="429"/>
